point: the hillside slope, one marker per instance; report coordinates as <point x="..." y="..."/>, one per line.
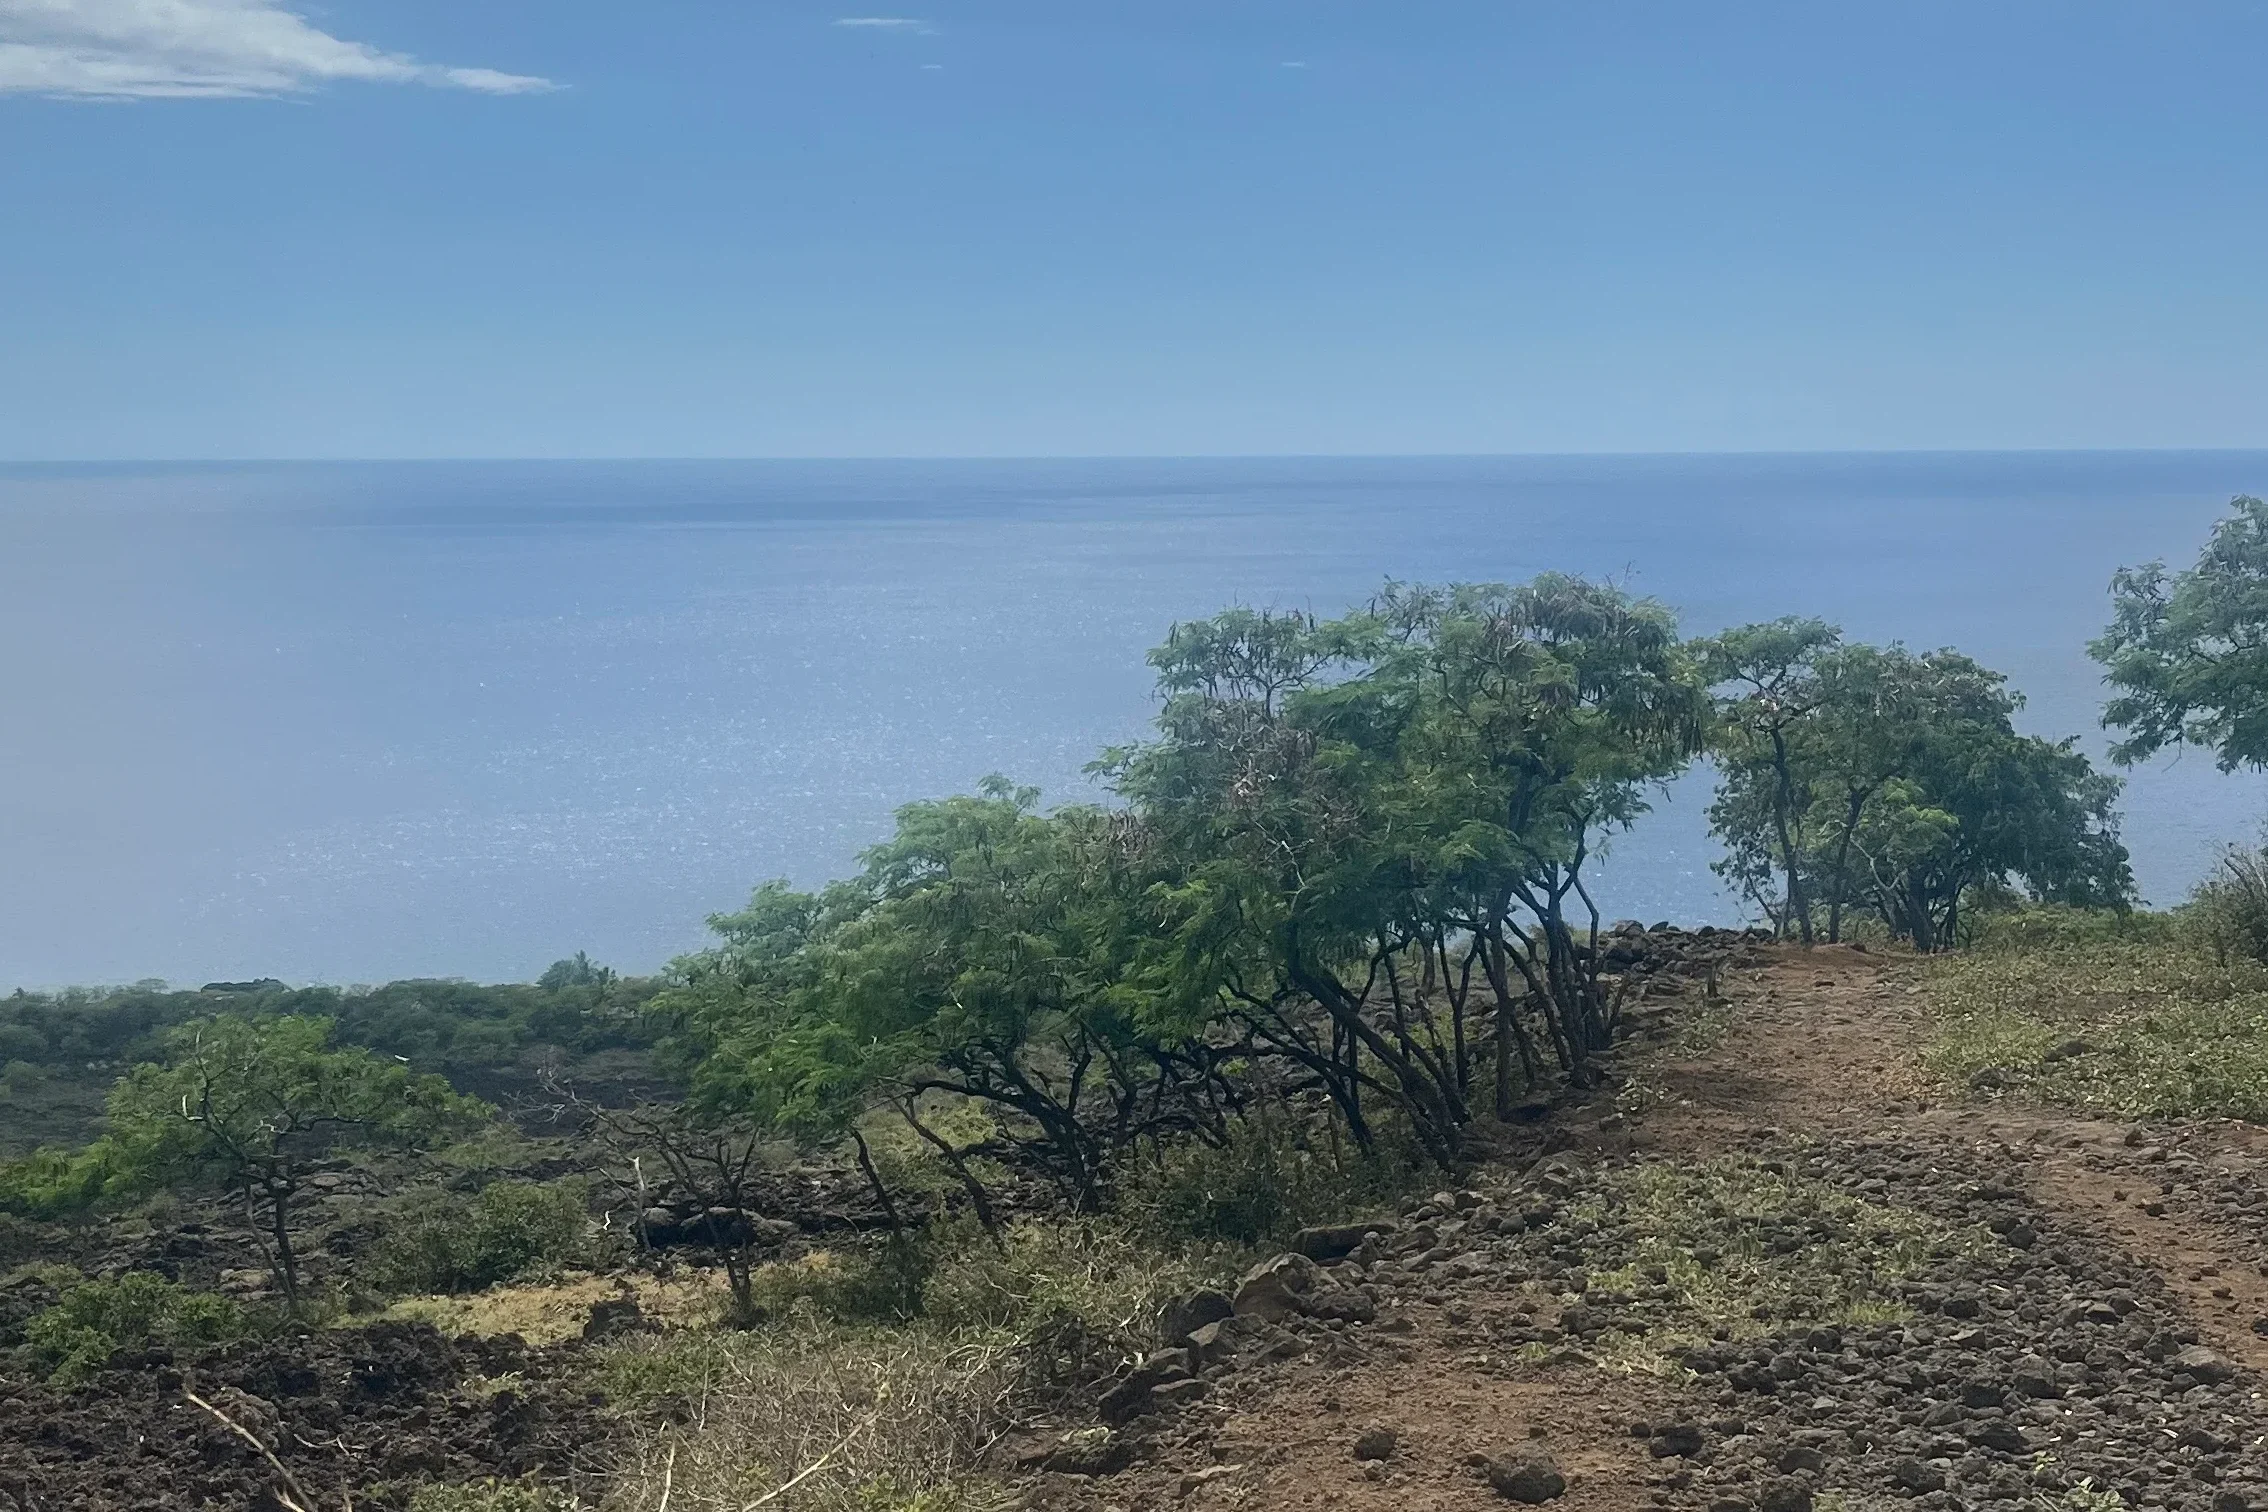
<point x="1775" y="1273"/>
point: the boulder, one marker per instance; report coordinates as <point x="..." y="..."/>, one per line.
<point x="2202" y="1364"/>
<point x="1335" y="1241"/>
<point x="1784" y="1496"/>
<point x="1185" y="1315"/>
<point x="1273" y="1289"/>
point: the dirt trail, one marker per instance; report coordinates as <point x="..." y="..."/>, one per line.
<point x="1828" y="1042"/>
<point x="2118" y="1250"/>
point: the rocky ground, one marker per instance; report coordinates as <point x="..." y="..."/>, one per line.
<point x="1772" y="1275"/>
<point x="364" y="1413"/>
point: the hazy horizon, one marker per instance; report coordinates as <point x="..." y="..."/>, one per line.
<point x="357" y="720"/>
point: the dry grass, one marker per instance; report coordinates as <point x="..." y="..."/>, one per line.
<point x="809" y="1419"/>
<point x="554" y="1311"/>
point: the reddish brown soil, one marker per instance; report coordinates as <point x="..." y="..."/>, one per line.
<point x="1822" y="1048"/>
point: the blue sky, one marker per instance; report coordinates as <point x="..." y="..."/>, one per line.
<point x="694" y="227"/>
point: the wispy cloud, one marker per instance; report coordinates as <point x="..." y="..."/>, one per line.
<point x="138" y="49"/>
<point x="888" y="23"/>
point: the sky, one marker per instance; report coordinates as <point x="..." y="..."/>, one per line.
<point x="562" y="228"/>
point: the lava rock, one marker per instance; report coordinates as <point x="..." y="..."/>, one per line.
<point x="1376" y="1443"/>
<point x="1529" y="1479"/>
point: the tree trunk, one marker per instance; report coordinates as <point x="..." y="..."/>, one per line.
<point x="874" y="1182"/>
<point x="287" y="1264"/>
<point x="979" y="1198"/>
<point x="1783" y="800"/>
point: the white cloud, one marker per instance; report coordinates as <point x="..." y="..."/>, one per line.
<point x="126" y="49"/>
<point x="887" y="23"/>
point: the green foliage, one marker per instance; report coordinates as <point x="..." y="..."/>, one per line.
<point x="885" y="1284"/>
<point x="2188" y="651"/>
<point x="94" y="1320"/>
<point x="2228" y="911"/>
<point x="1260" y="1187"/>
<point x="52" y="1183"/>
<point x="1859" y="778"/>
<point x="1041" y="1274"/>
<point x="441" y="1242"/>
<point x="2029" y="926"/>
<point x="2142" y="1029"/>
<point x="1353" y="857"/>
<point x="437" y="1025"/>
<point x="247" y="1102"/>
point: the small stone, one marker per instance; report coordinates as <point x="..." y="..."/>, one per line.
<point x="1785" y="1496"/>
<point x="2202" y="1364"/>
<point x="1917" y="1476"/>
<point x="1206" y="1476"/>
<point x="1801" y="1459"/>
<point x="1530" y="1479"/>
<point x="1680" y="1440"/>
<point x="1376" y="1443"/>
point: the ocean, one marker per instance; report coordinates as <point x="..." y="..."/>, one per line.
<point x="355" y="721"/>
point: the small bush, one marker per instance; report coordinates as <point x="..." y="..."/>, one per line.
<point x="882" y="1285"/>
<point x="882" y="1421"/>
<point x="1112" y="1284"/>
<point x="2228" y="913"/>
<point x="442" y="1243"/>
<point x="52" y="1183"/>
<point x="92" y="1321"/>
<point x="1263" y="1185"/>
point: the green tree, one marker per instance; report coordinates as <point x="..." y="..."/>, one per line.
<point x="1360" y="813"/>
<point x="1769" y="699"/>
<point x="249" y="1102"/>
<point x="2188" y="651"/>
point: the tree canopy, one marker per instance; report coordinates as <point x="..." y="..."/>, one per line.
<point x="1894" y="782"/>
<point x="2187" y="651"/>
<point x="247" y="1102"/>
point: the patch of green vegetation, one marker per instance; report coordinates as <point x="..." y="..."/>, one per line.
<point x="93" y="1320"/>
<point x="2043" y="926"/>
<point x="444" y="1242"/>
<point x="1267" y="1182"/>
<point x="2135" y="1029"/>
<point x="494" y="1496"/>
<point x="1737" y="1248"/>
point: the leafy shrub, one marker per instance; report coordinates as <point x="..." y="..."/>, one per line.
<point x="1039" y="1274"/>
<point x="2228" y="913"/>
<point x="440" y="1242"/>
<point x="1260" y="1187"/>
<point x="52" y="1183"/>
<point x="883" y="1285"/>
<point x="92" y="1321"/>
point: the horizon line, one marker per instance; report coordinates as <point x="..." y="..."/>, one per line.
<point x="1160" y="456"/>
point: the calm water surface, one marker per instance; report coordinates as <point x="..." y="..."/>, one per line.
<point x="354" y="721"/>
